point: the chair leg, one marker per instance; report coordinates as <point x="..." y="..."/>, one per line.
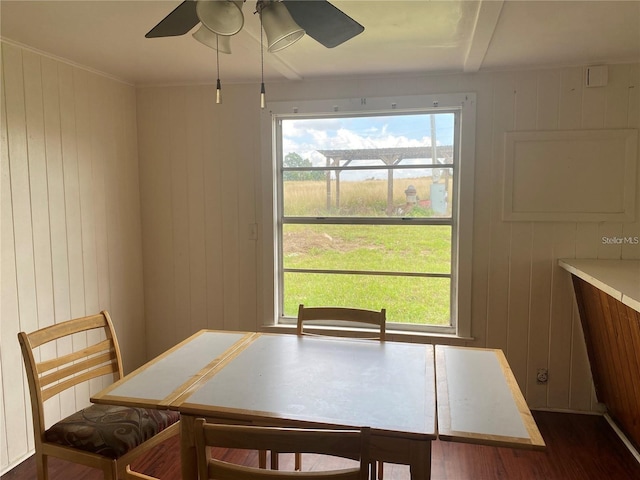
<point x="262" y="459"/>
<point x="111" y="472"/>
<point x="380" y="467"/>
<point x="42" y="467"/>
<point x="274" y="460"/>
<point x="372" y="473"/>
<point x="298" y="462"/>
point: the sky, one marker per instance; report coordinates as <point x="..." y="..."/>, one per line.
<point x="306" y="136"/>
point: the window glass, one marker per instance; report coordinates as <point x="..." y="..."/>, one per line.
<point x="366" y="214"/>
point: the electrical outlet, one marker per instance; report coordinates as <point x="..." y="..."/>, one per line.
<point x="542" y="376"/>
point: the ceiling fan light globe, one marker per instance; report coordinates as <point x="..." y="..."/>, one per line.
<point x="285" y="41"/>
<point x="205" y="36"/>
<point x="280" y="28"/>
<point x="223" y="17"/>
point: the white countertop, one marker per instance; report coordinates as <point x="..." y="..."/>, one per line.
<point x="618" y="278"/>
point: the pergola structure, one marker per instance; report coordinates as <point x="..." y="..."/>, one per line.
<point x="390" y="156"/>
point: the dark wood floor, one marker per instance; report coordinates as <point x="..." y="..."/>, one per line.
<point x="580" y="447"/>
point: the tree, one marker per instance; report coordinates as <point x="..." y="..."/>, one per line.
<point x="294" y="160"/>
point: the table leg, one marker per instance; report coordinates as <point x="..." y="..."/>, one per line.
<point x="274" y="460"/>
<point x="188" y="448"/>
<point x="420" y="460"/>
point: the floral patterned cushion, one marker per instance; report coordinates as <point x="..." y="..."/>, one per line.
<point x="110" y="430"/>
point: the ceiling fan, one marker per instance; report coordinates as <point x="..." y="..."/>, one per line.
<point x="318" y="18"/>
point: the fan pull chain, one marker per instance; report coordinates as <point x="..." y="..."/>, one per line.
<point x="218" y="86"/>
<point x="262" y="92"/>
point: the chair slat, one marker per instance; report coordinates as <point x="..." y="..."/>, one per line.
<point x="372" y="318"/>
<point x="78" y="367"/>
<point x="62" y="386"/>
<point x="64" y="329"/>
<point x="71" y="357"/>
<point x="330" y="442"/>
<point x="352" y="444"/>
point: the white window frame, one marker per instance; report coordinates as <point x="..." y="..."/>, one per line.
<point x="461" y="263"/>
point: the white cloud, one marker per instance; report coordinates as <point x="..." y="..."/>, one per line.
<point x="306" y="136"/>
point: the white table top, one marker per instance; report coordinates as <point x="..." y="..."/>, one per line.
<point x="161" y="381"/>
<point x="479" y="400"/>
<point x="618" y="278"/>
<point x="385" y="385"/>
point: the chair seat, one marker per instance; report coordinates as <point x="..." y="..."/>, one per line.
<point x="110" y="430"/>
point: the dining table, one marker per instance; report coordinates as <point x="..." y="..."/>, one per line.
<point x="408" y="394"/>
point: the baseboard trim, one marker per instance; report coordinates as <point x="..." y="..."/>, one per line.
<point x="16" y="462"/>
<point x="623" y="437"/>
<point x="566" y="410"/>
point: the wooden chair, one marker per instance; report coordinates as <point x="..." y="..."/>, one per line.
<point x="101" y="436"/>
<point x="352" y="444"/>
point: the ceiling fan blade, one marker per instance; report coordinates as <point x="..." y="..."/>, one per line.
<point x="182" y="19"/>
<point x="323" y="22"/>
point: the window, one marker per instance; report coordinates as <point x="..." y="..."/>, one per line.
<point x="367" y="210"/>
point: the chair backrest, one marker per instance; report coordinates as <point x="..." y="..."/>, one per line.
<point x="53" y="376"/>
<point x="352" y="444"/>
<point x="317" y="315"/>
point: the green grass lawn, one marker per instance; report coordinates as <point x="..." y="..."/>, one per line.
<point x="400" y="249"/>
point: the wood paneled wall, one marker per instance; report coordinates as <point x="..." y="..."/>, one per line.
<point x="70" y="231"/>
<point x="198" y="172"/>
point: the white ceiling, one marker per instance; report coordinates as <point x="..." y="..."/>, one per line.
<point x="400" y="37"/>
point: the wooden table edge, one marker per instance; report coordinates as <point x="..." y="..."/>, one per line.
<point x="486" y="440"/>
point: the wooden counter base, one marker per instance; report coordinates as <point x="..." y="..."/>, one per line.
<point x="612" y="335"/>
